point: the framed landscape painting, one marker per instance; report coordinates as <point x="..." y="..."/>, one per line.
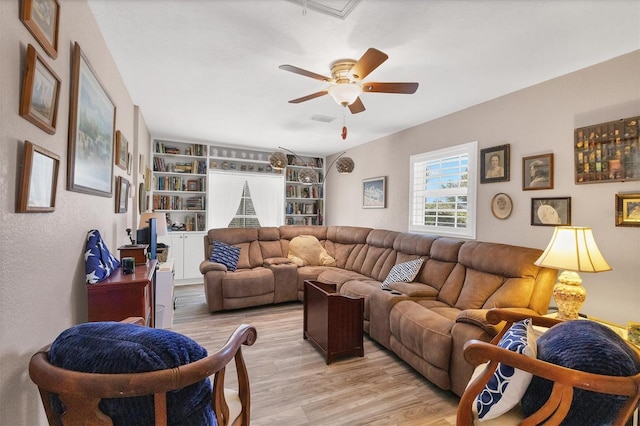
<point x="42" y="19"/>
<point x="628" y="209"/>
<point x="40" y="92"/>
<point x="91" y="131"/>
<point x="374" y="193"/>
<point x="37" y="193"/>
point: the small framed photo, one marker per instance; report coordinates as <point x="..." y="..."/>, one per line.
<point x="192" y="185"/>
<point x="37" y="193"/>
<point x="374" y="193"/>
<point x="551" y="211"/>
<point x="42" y="19"/>
<point x="122" y="194"/>
<point x="537" y="172"/>
<point x="501" y="206"/>
<point x="40" y="92"/>
<point x="628" y="209"/>
<point x="122" y="150"/>
<point x="494" y="164"/>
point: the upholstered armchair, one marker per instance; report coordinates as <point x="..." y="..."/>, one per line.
<point x="125" y="373"/>
<point x="555" y="393"/>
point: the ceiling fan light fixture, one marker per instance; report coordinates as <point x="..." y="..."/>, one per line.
<point x="345" y="93"/>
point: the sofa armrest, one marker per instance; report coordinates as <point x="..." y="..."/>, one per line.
<point x="276" y="261"/>
<point x="207" y="265"/>
<point x="478" y="317"/>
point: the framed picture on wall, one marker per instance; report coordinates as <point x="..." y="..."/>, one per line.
<point x="122" y="194"/>
<point x="37" y="193"/>
<point x="628" y="209"/>
<point x="551" y="211"/>
<point x="92" y="119"/>
<point x="40" y="92"/>
<point x="494" y="164"/>
<point x="501" y="206"/>
<point x="122" y="150"/>
<point x="374" y="193"/>
<point x="42" y="19"/>
<point x="537" y="172"/>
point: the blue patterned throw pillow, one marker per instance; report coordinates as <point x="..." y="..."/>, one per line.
<point x="99" y="263"/>
<point x="403" y="272"/>
<point x="507" y="386"/>
<point x="114" y="347"/>
<point x="225" y="254"/>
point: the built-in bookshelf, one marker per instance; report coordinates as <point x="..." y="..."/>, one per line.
<point x="304" y="203"/>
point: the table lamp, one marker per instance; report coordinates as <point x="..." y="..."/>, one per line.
<point x="573" y="249"/>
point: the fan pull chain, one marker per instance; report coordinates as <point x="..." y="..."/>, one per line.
<point x="304" y="7"/>
<point x="344" y="122"/>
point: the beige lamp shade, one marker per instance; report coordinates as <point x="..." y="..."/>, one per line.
<point x="161" y="222"/>
<point x="575" y="249"/>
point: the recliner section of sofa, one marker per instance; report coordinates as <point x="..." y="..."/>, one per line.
<point x="425" y="322"/>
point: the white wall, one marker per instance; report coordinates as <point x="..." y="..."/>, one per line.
<point x="42" y="288"/>
<point x="536" y="120"/>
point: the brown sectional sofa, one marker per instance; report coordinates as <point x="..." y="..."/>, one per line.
<point x="425" y="322"/>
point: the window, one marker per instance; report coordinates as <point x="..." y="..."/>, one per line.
<point x="245" y="216"/>
<point x="443" y="191"/>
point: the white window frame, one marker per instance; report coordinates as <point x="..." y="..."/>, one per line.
<point x="418" y="193"/>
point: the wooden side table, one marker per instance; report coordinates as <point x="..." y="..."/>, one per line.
<point x="124" y="295"/>
<point x="332" y="321"/>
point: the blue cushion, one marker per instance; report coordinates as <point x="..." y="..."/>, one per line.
<point x="225" y="254"/>
<point x="99" y="263"/>
<point x="113" y="347"/>
<point x="585" y="346"/>
<point x="507" y="385"/>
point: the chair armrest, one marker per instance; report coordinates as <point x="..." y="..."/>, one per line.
<point x="207" y="265"/>
<point x="134" y="320"/>
<point x="496" y="315"/>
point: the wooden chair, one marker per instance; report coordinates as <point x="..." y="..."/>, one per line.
<point x="565" y="380"/>
<point x="81" y="393"/>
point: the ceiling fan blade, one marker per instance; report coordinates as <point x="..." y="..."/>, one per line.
<point x="305" y="73"/>
<point x="308" y="97"/>
<point x="357" y="106"/>
<point x="406" y="88"/>
<point x="371" y="60"/>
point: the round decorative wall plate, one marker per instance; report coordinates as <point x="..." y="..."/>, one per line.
<point x="501" y="206"/>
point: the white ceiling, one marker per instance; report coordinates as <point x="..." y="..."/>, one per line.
<point x="207" y="70"/>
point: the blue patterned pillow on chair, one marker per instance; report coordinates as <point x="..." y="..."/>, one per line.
<point x="225" y="254"/>
<point x="403" y="272"/>
<point x="114" y="347"/>
<point x="507" y="386"/>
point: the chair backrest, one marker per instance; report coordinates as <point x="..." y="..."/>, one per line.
<point x="80" y="393"/>
<point x="565" y="380"/>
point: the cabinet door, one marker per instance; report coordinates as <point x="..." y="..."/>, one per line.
<point x="177" y="248"/>
<point x="193" y="255"/>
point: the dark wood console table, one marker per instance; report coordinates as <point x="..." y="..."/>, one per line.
<point x="124" y="295"/>
<point x="332" y="321"/>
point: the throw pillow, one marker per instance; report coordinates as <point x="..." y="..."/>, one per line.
<point x="114" y="347"/>
<point x="225" y="254"/>
<point x="403" y="272"/>
<point x="307" y="250"/>
<point x="507" y="385"/>
<point x="586" y="346"/>
<point x="99" y="263"/>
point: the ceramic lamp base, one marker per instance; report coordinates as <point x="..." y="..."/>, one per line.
<point x="569" y="295"/>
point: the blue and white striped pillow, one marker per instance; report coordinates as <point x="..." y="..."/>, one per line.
<point x="225" y="254"/>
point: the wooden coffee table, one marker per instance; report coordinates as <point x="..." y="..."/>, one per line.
<point x="332" y="321"/>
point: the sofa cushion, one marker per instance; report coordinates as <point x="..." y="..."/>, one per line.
<point x="99" y="262"/>
<point x="507" y="385"/>
<point x="225" y="254"/>
<point x="403" y="272"/>
<point x="113" y="347"/>
<point x="306" y="250"/>
<point x="586" y="346"/>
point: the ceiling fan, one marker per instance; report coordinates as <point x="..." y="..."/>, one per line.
<point x="346" y="80"/>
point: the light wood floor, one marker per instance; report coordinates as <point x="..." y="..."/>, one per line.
<point x="292" y="385"/>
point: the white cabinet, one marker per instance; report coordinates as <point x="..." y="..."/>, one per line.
<point x="186" y="249"/>
<point x="164" y="295"/>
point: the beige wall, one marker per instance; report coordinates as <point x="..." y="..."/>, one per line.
<point x="42" y="288"/>
<point x="536" y="120"/>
